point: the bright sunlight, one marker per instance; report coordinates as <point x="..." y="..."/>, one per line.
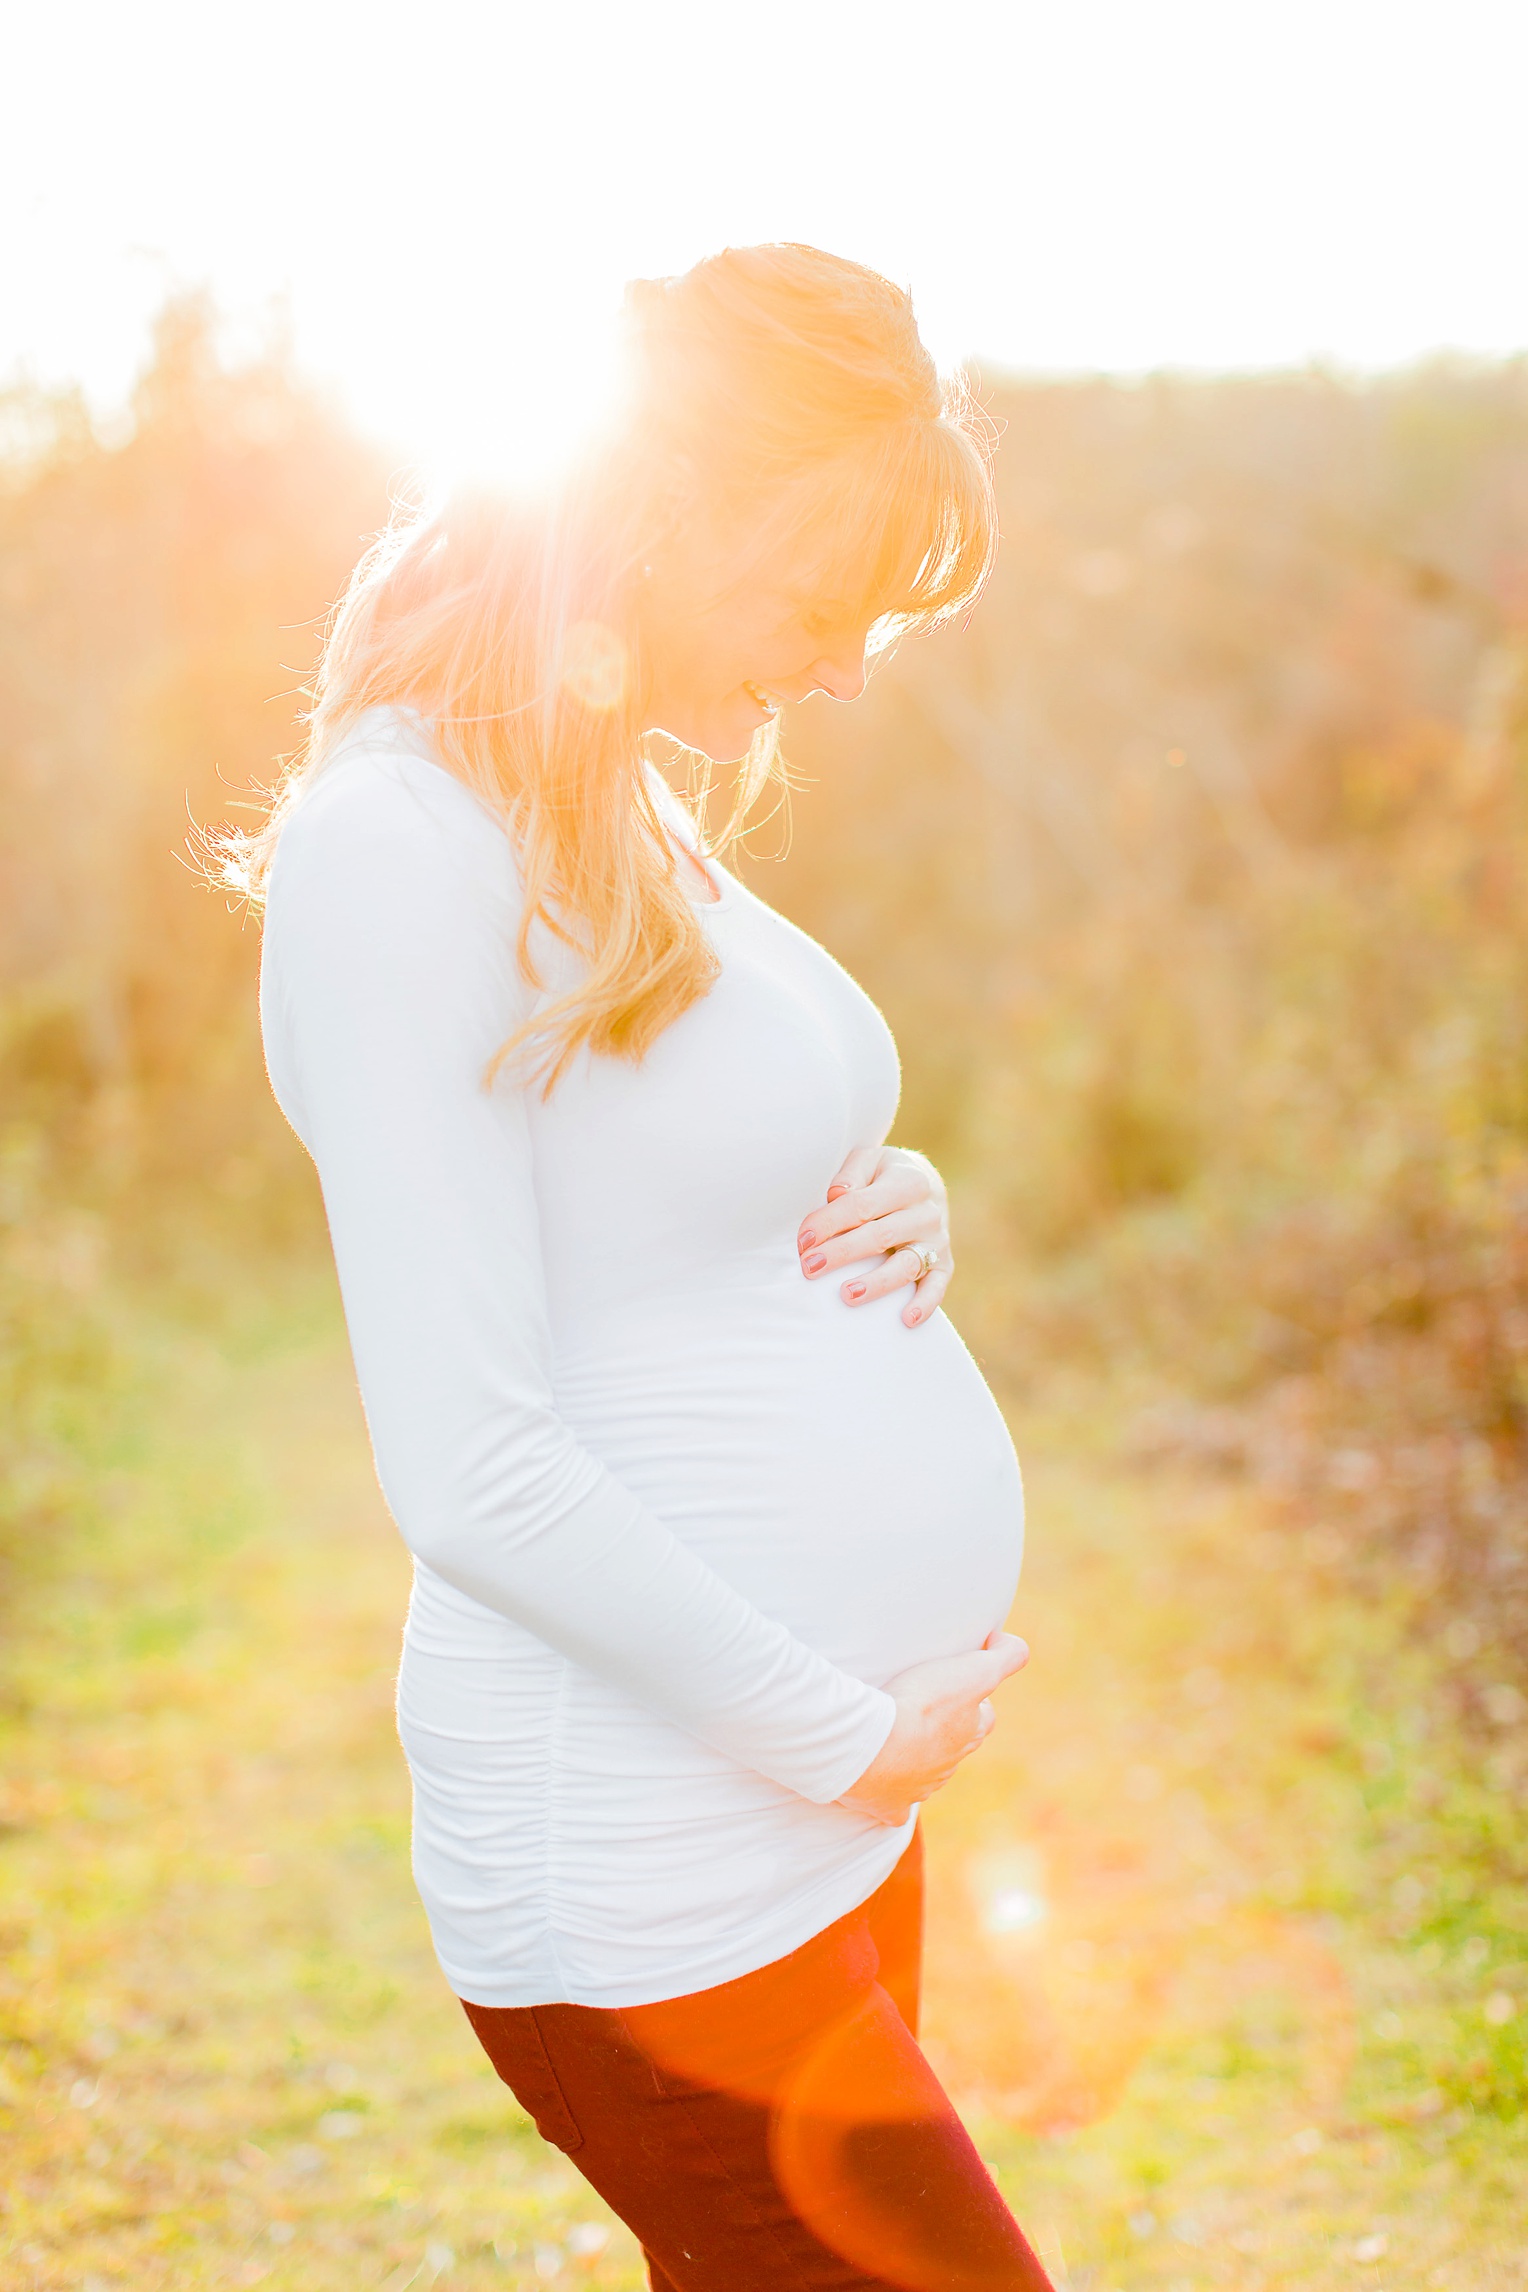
<point x="442" y="205"/>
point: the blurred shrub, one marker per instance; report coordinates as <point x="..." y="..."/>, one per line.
<point x="163" y="597"/>
<point x="160" y="599"/>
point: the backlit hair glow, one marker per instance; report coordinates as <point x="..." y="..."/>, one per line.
<point x="786" y="395"/>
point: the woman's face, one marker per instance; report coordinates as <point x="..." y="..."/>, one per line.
<point x="727" y="651"/>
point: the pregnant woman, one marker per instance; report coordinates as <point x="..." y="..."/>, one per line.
<point x="715" y="1523"/>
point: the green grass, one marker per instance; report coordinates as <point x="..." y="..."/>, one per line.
<point x="230" y="2059"/>
<point x="1269" y="2031"/>
<point x="1229" y="1946"/>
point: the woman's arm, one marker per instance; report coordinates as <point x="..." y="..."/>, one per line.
<point x="390" y="980"/>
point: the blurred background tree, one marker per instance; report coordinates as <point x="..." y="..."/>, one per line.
<point x="161" y="594"/>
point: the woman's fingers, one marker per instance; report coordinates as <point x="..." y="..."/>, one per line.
<point x="944" y="1713"/>
<point x="985" y="1671"/>
<point x="927" y="1297"/>
<point x="857" y="1168"/>
<point x="897" y="1227"/>
<point x="889" y="1202"/>
<point x="898" y="1270"/>
<point x="897" y="1188"/>
<point x="1010" y="1656"/>
<point x="870" y="1181"/>
<point x="900" y="1266"/>
<point x="895" y="1213"/>
<point x="904" y="1263"/>
<point x="977" y="1676"/>
<point x="1011" y="1651"/>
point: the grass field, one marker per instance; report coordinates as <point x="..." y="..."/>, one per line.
<point x="1229" y="1962"/>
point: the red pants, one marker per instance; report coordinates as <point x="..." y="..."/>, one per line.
<point x="778" y="2133"/>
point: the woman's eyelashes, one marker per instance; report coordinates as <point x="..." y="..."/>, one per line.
<point x="832" y="619"/>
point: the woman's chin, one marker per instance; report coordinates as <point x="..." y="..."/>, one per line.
<point x="725" y="735"/>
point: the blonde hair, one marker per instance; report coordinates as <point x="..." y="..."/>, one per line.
<point x="778" y="389"/>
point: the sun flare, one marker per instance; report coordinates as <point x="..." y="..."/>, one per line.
<point x="514" y="408"/>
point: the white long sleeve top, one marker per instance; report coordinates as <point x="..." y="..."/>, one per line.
<point x="676" y="1513"/>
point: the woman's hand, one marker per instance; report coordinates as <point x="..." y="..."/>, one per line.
<point x="942" y="1716"/>
<point x="883" y="1198"/>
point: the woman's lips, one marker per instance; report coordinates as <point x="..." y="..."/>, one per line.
<point x="759" y="694"/>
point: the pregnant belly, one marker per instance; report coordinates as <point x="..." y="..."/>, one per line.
<point x="852" y="1476"/>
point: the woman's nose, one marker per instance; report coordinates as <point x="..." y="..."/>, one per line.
<point x="841" y="675"/>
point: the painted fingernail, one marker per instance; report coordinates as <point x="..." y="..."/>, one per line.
<point x="912" y="1317"/>
<point x="855" y="1290"/>
<point x="814" y="1264"/>
<point x="806" y="1241"/>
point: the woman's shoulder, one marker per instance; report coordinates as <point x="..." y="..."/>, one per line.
<point x="386" y="769"/>
<point x="383" y="799"/>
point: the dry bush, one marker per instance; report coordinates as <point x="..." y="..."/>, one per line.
<point x="162" y="594"/>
